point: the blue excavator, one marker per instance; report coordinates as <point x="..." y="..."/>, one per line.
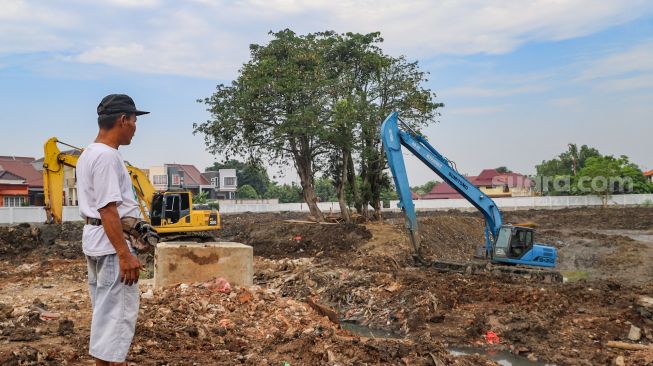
<point x="509" y="248"/>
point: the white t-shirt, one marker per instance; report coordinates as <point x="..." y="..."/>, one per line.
<point x="102" y="178"/>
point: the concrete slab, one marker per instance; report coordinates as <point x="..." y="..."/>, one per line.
<point x="184" y="262"/>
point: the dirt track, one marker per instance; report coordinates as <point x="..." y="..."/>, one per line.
<point x="364" y="272"/>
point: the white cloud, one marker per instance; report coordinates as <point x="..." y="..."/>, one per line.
<point x="636" y="59"/>
<point x="501" y="91"/>
<point x="627" y="84"/>
<point x="210" y="38"/>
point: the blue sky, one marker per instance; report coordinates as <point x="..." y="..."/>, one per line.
<point x="520" y="79"/>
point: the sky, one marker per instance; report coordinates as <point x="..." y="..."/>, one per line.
<point x="519" y="79"/>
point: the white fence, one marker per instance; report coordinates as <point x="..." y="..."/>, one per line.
<point x="12" y="215"/>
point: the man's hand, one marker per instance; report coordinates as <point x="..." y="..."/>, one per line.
<point x="130" y="268"/>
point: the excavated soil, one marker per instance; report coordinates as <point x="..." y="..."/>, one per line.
<point x="309" y="277"/>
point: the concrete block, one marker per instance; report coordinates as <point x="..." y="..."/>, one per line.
<point x="185" y="262"/>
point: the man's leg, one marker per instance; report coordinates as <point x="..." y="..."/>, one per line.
<point x="114" y="314"/>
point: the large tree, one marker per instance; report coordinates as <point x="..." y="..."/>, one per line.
<point x="317" y="101"/>
<point x="275" y="108"/>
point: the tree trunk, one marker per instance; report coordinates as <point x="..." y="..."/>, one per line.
<point x="305" y="171"/>
<point x="351" y="178"/>
<point x="344" y="210"/>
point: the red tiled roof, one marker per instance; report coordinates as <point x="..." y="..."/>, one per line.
<point x="22" y="167"/>
<point x="490" y="177"/>
<point x="414" y="195"/>
<point x="192" y="175"/>
<point x="648" y="173"/>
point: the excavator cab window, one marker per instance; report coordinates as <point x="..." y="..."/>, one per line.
<point x="156" y="214"/>
<point x="172" y="207"/>
<point x="184" y="204"/>
<point x="520" y="242"/>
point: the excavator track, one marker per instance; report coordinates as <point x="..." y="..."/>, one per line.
<point x="484" y="268"/>
<point x="195" y="236"/>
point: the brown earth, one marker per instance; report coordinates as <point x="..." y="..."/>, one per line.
<point x="366" y="274"/>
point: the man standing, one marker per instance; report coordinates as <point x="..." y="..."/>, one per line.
<point x="105" y="195"/>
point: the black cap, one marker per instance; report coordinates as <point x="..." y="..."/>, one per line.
<point x="118" y="103"/>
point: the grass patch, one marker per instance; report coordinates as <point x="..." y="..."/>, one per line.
<point x="572" y="276"/>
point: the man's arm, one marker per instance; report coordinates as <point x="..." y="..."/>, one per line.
<point x="129" y="263"/>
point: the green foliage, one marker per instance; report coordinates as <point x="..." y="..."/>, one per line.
<point x="316" y="102"/>
<point x="503" y="169"/>
<point x="424" y="188"/>
<point x="326" y="190"/>
<point x="252" y="173"/>
<point x="565" y="162"/>
<point x="246" y="192"/>
<point x="566" y="165"/>
<point x="605" y="175"/>
<point x="201" y="197"/>
<point x="286" y="193"/>
<point x="647" y="203"/>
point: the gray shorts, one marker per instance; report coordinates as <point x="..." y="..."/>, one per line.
<point x="115" y="309"/>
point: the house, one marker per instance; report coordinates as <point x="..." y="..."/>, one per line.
<point x="178" y="176"/>
<point x="490" y="182"/>
<point x="22" y="181"/>
<point x="224" y="183"/>
<point x="649" y="175"/>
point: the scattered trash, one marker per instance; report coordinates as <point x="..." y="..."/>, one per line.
<point x="49" y="315"/>
<point x="149" y="294"/>
<point x="218" y="285"/>
<point x="492" y="338"/>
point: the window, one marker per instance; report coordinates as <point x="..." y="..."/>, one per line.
<point x="14" y="201"/>
<point x="160" y="179"/>
<point x="176" y="180"/>
<point x="215" y="182"/>
<point x="230" y="181"/>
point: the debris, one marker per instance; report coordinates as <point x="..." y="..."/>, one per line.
<point x="149" y="294"/>
<point x="629" y="346"/>
<point x="324" y="310"/>
<point x="635" y="333"/>
<point x="619" y="361"/>
<point x="218" y="285"/>
<point x="66" y="327"/>
<point x="49" y="315"/>
<point x="5" y="311"/>
<point x="24" y="334"/>
<point x="492" y="338"/>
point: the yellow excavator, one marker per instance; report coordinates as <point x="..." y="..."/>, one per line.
<point x="171" y="213"/>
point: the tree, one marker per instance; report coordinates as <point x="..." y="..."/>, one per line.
<point x="566" y="165"/>
<point x="201" y="197"/>
<point x="317" y="101"/>
<point x="284" y="193"/>
<point x="606" y="175"/>
<point x="252" y="173"/>
<point x="325" y="190"/>
<point x="246" y="192"/>
<point x="425" y="188"/>
<point x="503" y="170"/>
<point x="275" y="107"/>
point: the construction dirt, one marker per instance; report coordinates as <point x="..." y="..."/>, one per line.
<point x="352" y="295"/>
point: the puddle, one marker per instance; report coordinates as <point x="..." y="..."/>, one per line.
<point x="503" y="358"/>
<point x="363" y="331"/>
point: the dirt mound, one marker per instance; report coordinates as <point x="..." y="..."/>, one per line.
<point x="54" y="241"/>
<point x="637" y="218"/>
<point x="451" y="237"/>
<point x="279" y="239"/>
